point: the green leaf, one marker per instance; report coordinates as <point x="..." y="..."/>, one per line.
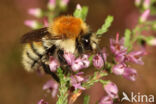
<point x="86" y="99"/>
<point x="127" y="41"/>
<point x="105" y="26"/>
<point x="81" y="13"/>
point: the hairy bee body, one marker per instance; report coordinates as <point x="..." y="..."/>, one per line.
<point x="32" y="54"/>
<point x="66" y="33"/>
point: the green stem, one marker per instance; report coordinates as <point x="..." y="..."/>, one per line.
<point x="63" y="89"/>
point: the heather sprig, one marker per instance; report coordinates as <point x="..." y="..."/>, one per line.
<point x="43" y="17"/>
<point x="144" y="24"/>
<point x="73" y="83"/>
<point x="105" y="26"/>
<point x="63" y="88"/>
<point x="81" y="12"/>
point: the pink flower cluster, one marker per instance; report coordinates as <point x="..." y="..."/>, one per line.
<point x="43" y="15"/>
<point x="122" y="56"/>
<point x="77" y="63"/>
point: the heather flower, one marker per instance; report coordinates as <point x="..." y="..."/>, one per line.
<point x="137" y="2"/>
<point x="42" y="102"/>
<point x="51" y="86"/>
<point x="106" y="100"/>
<point x="98" y="62"/>
<point x="76" y="81"/>
<point x="85" y="57"/>
<point x="111" y="90"/>
<point x="117" y="46"/>
<point x="69" y="57"/>
<point x="35" y="12"/>
<point x="31" y="23"/>
<point x="152" y="42"/>
<point x="64" y="3"/>
<point x="77" y="65"/>
<point x="78" y="6"/>
<point x="130" y="74"/>
<point x="146" y="4"/>
<point x="136" y="57"/>
<point x="85" y="61"/>
<point x="121" y="56"/>
<point x="51" y="4"/>
<point x="119" y="69"/>
<point x="45" y="22"/>
<point x="53" y="64"/>
<point x="145" y="15"/>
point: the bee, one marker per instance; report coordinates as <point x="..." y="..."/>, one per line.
<point x="64" y="34"/>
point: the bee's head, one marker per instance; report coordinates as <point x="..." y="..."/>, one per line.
<point x="87" y="42"/>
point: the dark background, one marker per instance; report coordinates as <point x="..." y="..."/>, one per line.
<point x="19" y="87"/>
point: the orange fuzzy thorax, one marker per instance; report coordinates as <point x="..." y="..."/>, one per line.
<point x="67" y="26"/>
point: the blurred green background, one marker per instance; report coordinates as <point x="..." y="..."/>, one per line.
<point x="19" y="87"/>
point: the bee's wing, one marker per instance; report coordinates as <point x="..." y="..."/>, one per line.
<point x="36" y="35"/>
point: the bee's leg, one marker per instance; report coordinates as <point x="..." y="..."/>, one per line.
<point x="47" y="70"/>
<point x="62" y="60"/>
<point x="51" y="50"/>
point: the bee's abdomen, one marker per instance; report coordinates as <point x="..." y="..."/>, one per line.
<point x="32" y="55"/>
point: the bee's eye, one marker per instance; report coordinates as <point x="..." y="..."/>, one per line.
<point x="86" y="42"/>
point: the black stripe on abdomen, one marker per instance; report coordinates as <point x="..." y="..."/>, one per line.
<point x="34" y="60"/>
<point x="35" y="51"/>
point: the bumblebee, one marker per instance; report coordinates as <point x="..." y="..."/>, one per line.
<point x="64" y="34"/>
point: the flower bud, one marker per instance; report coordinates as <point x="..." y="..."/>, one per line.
<point x="35" y="12"/>
<point x="63" y="3"/>
<point x="32" y="24"/>
<point x="146" y="4"/>
<point x="152" y="42"/>
<point x="145" y="15"/>
<point x="45" y="22"/>
<point x="137" y="2"/>
<point x="78" y="6"/>
<point x="51" y="4"/>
